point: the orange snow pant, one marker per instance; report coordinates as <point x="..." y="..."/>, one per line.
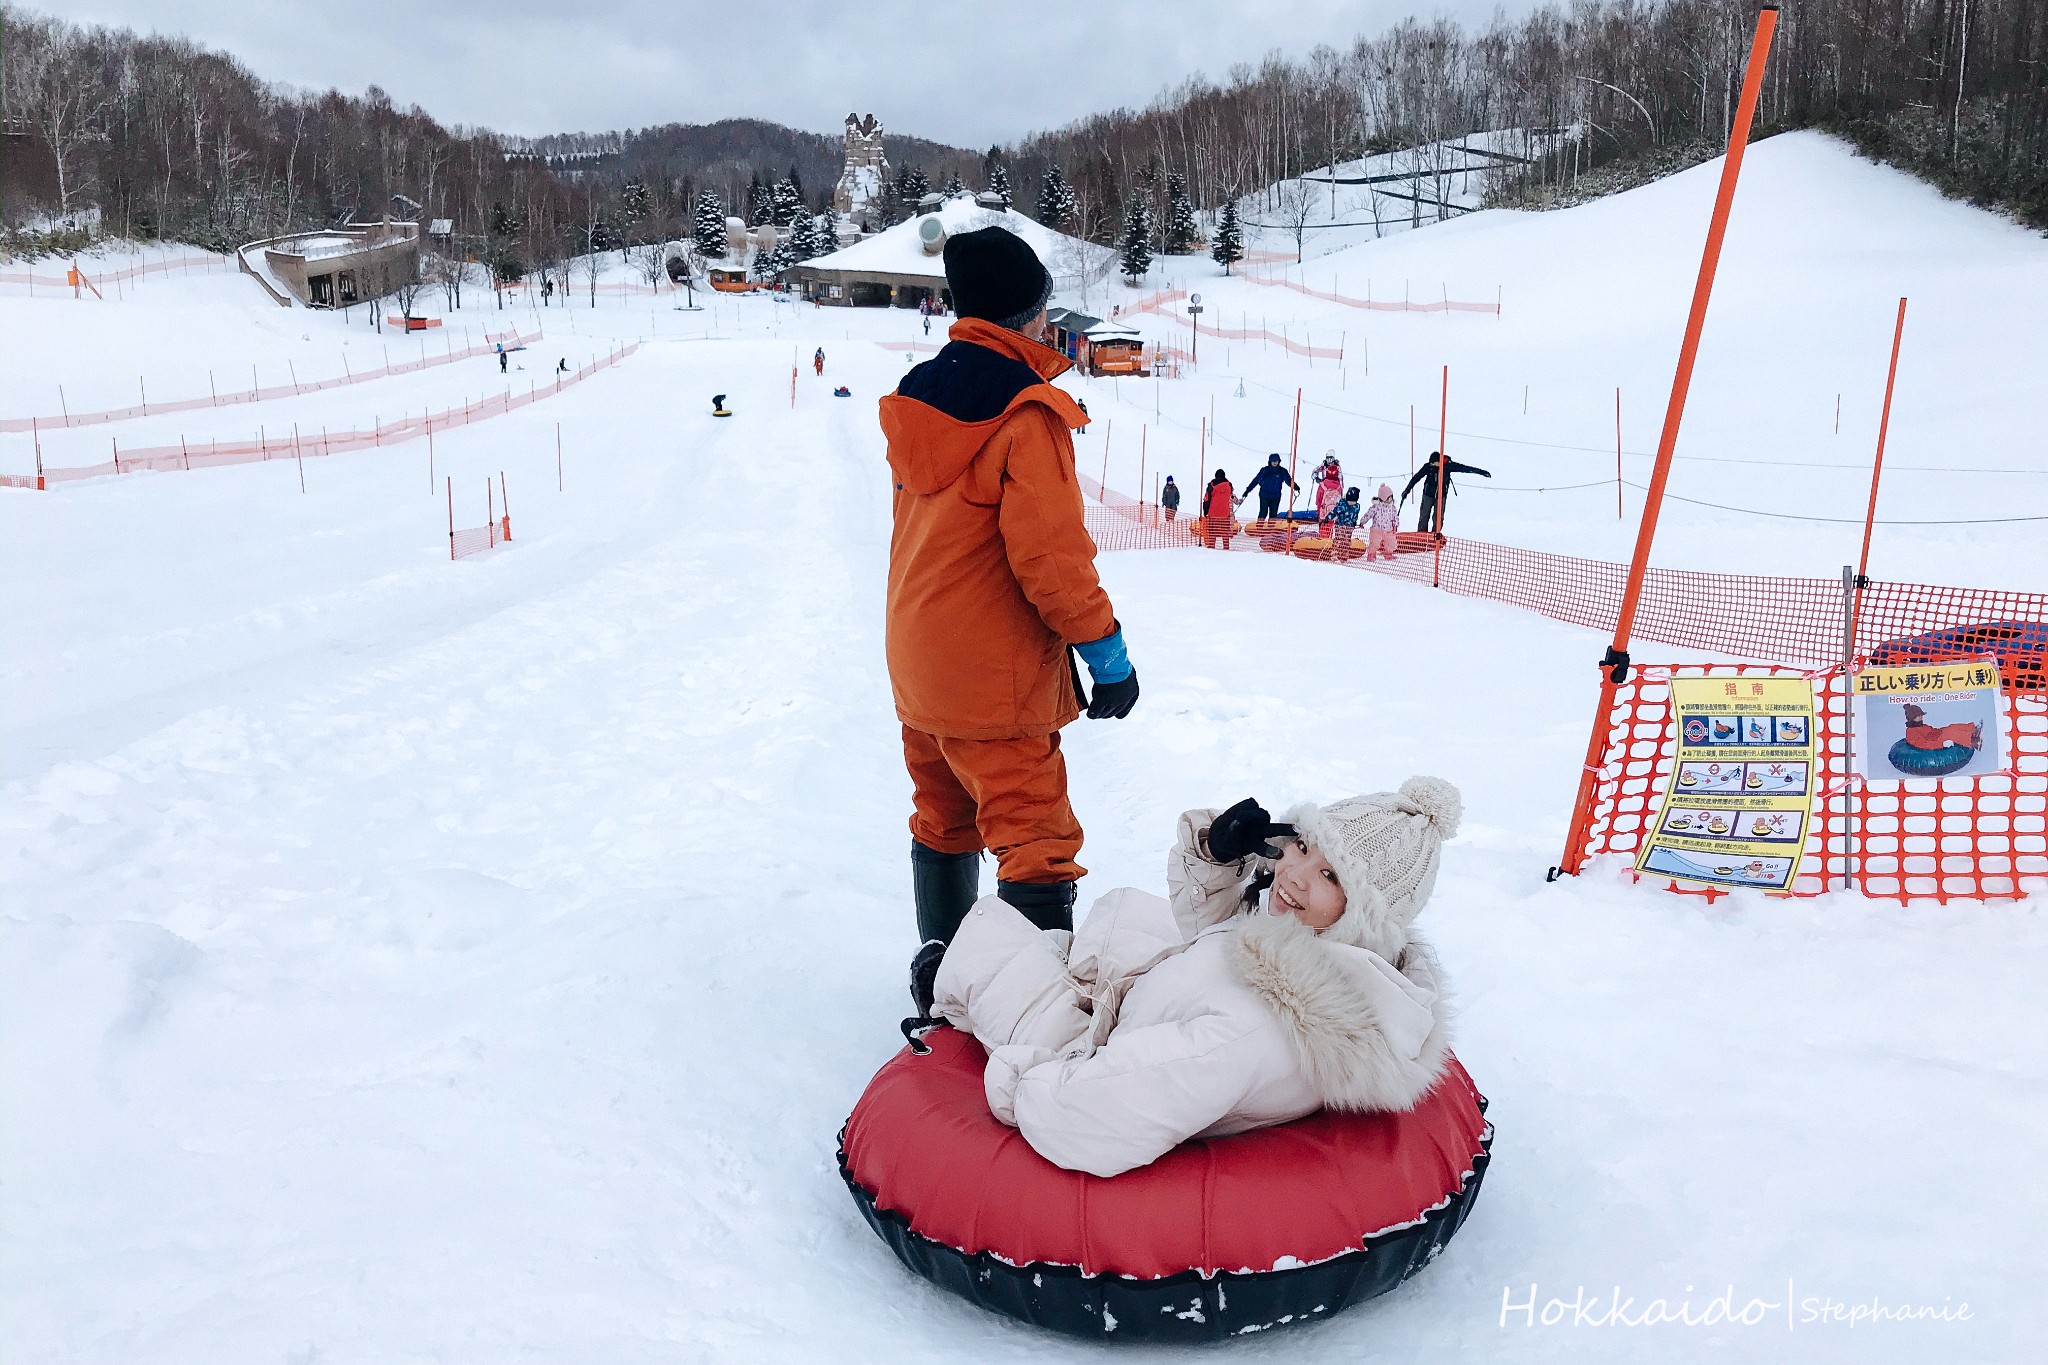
<point x="1006" y="795"/>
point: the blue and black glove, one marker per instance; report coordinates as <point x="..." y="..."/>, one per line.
<point x="1116" y="682"/>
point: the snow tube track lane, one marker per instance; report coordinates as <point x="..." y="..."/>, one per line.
<point x="1218" y="1238"/>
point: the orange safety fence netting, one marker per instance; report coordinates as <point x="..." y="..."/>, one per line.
<point x="183" y="265"/>
<point x="1446" y="304"/>
<point x="1161" y="305"/>
<point x="258" y="393"/>
<point x="301" y="444"/>
<point x="1949" y="838"/>
<point x="1982" y="838"/>
<point x="1784" y="619"/>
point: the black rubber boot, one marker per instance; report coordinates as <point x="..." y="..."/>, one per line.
<point x="944" y="886"/>
<point x="1049" y="905"/>
<point x="924" y="978"/>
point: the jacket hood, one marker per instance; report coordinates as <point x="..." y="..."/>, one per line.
<point x="1370" y="1035"/>
<point x="946" y="409"/>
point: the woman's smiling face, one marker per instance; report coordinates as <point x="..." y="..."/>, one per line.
<point x="1305" y="886"/>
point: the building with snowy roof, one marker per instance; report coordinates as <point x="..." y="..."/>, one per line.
<point x="904" y="265"/>
<point x="335" y="267"/>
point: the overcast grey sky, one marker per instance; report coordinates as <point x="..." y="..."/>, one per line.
<point x="965" y="73"/>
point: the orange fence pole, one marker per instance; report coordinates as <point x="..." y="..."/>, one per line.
<point x="1884" y="422"/>
<point x="1293" y="460"/>
<point x="1614" y="665"/>
<point x="1144" y="433"/>
<point x="1443" y="480"/>
<point x="451" y="519"/>
<point x="1107" y="427"/>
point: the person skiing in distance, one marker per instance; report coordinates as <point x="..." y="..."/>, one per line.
<point x="1432" y="515"/>
<point x="1267" y="483"/>
<point x="818" y="361"/>
<point x="1169" y="498"/>
<point x="1383" y="522"/>
<point x="1219" y="515"/>
<point x="992" y="593"/>
<point x="502" y="359"/>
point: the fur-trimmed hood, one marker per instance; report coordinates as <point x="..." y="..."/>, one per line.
<point x="1370" y="1034"/>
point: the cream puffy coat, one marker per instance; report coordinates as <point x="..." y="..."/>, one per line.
<point x="1160" y="1021"/>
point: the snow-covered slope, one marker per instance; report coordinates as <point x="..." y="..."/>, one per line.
<point x="408" y="960"/>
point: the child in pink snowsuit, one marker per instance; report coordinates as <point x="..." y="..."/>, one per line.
<point x="1382" y="517"/>
<point x="1329" y="482"/>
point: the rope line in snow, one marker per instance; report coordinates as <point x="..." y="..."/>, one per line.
<point x="1841" y="521"/>
<point x="1644" y="454"/>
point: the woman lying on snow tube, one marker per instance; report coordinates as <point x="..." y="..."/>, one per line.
<point x="1157" y="1029"/>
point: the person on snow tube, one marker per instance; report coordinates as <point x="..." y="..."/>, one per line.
<point x="1921" y="735"/>
<point x="1273" y="983"/>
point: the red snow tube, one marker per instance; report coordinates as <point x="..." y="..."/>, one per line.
<point x="1218" y="1237"/>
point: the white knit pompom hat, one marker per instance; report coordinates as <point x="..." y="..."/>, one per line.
<point x="1384" y="848"/>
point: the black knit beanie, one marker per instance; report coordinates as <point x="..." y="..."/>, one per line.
<point x="994" y="274"/>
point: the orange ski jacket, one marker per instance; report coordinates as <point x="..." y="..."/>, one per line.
<point x="991" y="570"/>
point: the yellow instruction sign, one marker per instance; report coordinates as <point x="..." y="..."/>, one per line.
<point x="1741" y="791"/>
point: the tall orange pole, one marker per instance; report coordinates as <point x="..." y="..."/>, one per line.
<point x="1443" y="480"/>
<point x="1884" y="423"/>
<point x="1615" y="665"/>
<point x="1293" y="461"/>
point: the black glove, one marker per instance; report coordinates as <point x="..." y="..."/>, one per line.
<point x="1113" y="701"/>
<point x="1244" y="829"/>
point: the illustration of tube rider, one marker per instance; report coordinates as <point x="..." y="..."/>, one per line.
<point x="1921" y="735"/>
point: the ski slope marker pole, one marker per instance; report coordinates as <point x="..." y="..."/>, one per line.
<point x="1293" y="463"/>
<point x="558" y="457"/>
<point x="451" y="519"/>
<point x="1884" y="423"/>
<point x="1614" y="667"/>
<point x="1618" y="516"/>
<point x="1443" y="480"/>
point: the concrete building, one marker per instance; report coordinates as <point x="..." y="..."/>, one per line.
<point x="335" y="267"/>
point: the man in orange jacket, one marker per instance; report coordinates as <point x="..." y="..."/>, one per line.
<point x="991" y="584"/>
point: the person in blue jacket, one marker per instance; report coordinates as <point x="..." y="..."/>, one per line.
<point x="1267" y="483"/>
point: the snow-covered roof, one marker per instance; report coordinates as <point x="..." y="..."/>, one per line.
<point x="898" y="250"/>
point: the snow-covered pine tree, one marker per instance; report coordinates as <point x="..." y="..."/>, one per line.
<point x="1229" y="244"/>
<point x="954" y="186"/>
<point x="635" y="200"/>
<point x="999" y="183"/>
<point x="771" y="262"/>
<point x="803" y="238"/>
<point x="760" y="203"/>
<point x="708" y="228"/>
<point x="1055" y="199"/>
<point x="1182" y="232"/>
<point x="788" y="202"/>
<point x="916" y="185"/>
<point x="1137" y="241"/>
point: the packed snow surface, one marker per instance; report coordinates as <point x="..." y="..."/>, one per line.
<point x="410" y="960"/>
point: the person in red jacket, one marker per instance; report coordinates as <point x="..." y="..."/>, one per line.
<point x="992" y="593"/>
<point x="1219" y="511"/>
